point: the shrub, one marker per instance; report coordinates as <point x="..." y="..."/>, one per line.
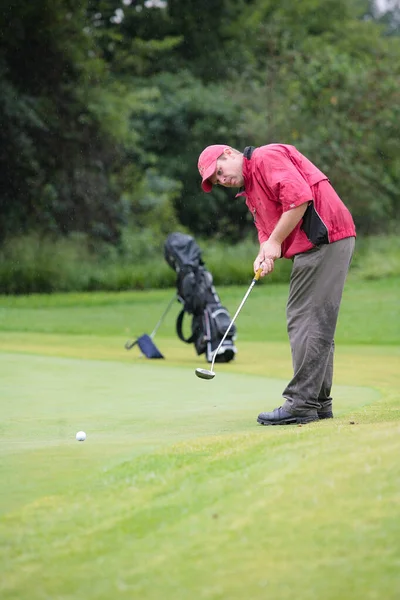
<point x="32" y="264"/>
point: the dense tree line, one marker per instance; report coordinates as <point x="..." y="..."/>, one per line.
<point x="106" y="104"/>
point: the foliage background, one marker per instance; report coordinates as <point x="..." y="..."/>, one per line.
<point x="106" y="104"/>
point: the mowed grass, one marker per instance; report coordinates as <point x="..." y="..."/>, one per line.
<point x="177" y="493"/>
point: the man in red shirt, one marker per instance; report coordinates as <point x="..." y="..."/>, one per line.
<point x="298" y="215"/>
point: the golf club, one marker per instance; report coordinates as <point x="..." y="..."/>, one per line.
<point x="209" y="374"/>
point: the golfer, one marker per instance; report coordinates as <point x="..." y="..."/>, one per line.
<point x="298" y="215"/>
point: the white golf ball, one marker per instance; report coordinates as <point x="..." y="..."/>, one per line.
<point x="81" y="436"/>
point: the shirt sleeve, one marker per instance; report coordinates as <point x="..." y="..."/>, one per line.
<point x="262" y="236"/>
<point x="293" y="191"/>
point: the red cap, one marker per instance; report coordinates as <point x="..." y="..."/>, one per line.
<point x="208" y="163"/>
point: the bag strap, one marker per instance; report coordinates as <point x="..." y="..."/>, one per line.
<point x="179" y="331"/>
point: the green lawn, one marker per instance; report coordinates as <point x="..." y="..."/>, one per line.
<point x="177" y="493"/>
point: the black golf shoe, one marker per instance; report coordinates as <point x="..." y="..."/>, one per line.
<point x="325" y="414"/>
<point x="279" y="416"/>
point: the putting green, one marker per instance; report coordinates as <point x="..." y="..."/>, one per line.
<point x="169" y="493"/>
<point x="177" y="493"/>
<point x="125" y="410"/>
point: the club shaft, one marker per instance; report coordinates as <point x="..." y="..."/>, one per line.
<point x="233" y="320"/>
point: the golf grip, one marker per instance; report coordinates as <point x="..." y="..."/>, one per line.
<point x="255" y="279"/>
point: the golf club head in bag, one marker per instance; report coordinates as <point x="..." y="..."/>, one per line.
<point x="146" y="345"/>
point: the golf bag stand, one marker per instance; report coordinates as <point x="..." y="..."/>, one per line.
<point x="145" y="342"/>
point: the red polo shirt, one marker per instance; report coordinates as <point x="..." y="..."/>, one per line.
<point x="278" y="178"/>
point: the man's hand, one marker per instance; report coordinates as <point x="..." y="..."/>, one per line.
<point x="271" y="249"/>
<point x="269" y="252"/>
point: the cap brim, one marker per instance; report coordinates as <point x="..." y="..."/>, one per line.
<point x="206" y="183"/>
<point x="206" y="186"/>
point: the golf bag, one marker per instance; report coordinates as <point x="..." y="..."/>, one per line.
<point x="196" y="292"/>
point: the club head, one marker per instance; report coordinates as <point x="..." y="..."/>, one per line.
<point x="205" y="374"/>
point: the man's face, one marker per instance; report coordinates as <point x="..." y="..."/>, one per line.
<point x="228" y="171"/>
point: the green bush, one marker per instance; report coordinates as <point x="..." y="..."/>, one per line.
<point x="233" y="264"/>
<point x="32" y="264"/>
<point x="376" y="257"/>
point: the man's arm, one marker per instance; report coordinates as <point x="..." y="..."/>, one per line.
<point x="271" y="249"/>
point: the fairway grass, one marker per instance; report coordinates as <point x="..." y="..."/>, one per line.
<point x="177" y="493"/>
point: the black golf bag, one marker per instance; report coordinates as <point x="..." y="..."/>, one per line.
<point x="210" y="320"/>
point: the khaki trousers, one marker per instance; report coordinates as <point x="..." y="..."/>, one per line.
<point x="316" y="287"/>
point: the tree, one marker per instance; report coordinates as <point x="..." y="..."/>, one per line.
<point x="56" y="156"/>
<point x="331" y="87"/>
